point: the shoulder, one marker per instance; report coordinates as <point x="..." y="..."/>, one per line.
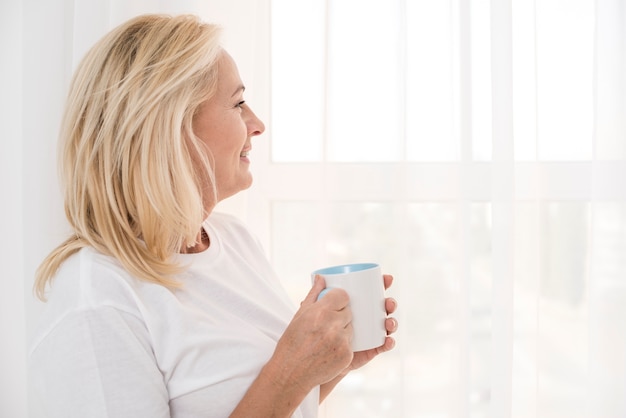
<point x="90" y="278"/>
<point x="88" y="281"/>
<point x="87" y="278"/>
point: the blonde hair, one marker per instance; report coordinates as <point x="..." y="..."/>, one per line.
<point x="133" y="172"/>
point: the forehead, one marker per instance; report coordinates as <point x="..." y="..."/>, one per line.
<point x="227" y="72"/>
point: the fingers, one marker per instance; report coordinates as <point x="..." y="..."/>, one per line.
<point x="391" y="325"/>
<point x="336" y="302"/>
<point x="333" y="301"/>
<point x="390" y="305"/>
<point x="388" y="280"/>
<point x="389" y="344"/>
<point x="337" y="299"/>
<point x="318" y="285"/>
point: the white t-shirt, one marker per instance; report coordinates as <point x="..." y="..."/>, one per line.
<point x="109" y="345"/>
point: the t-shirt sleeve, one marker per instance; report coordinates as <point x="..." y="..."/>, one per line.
<point x="104" y="358"/>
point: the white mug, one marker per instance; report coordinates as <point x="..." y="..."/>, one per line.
<point x="364" y="284"/>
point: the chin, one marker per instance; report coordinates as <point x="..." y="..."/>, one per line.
<point x="244" y="185"/>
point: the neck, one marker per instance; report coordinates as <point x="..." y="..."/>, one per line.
<point x="201" y="244"/>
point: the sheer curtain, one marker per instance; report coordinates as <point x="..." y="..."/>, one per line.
<point x="475" y="149"/>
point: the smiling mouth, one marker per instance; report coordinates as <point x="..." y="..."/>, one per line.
<point x="244" y="153"/>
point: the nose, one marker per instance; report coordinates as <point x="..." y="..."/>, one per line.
<point x="255" y="125"/>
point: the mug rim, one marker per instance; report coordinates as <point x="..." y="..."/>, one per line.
<point x="346" y="268"/>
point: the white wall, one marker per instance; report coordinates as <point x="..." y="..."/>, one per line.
<point x="12" y="325"/>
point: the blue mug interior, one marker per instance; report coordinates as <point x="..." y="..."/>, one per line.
<point x="345" y="268"/>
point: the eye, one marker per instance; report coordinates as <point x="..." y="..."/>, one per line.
<point x="241" y="103"/>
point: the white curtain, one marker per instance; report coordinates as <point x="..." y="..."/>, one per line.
<point x="476" y="149"/>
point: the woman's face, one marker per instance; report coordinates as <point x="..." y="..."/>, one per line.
<point x="226" y="125"/>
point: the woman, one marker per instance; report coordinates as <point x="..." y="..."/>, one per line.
<point x="159" y="307"/>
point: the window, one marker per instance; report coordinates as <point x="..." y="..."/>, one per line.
<point x="468" y="148"/>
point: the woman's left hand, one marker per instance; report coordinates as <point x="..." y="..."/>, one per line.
<point x="361" y="358"/>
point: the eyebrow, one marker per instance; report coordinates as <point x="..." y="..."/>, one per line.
<point x="241" y="88"/>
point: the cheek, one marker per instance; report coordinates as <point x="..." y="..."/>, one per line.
<point x="225" y="139"/>
<point x="237" y="138"/>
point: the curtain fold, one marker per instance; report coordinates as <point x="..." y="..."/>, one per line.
<point x="503" y="208"/>
<point x="607" y="272"/>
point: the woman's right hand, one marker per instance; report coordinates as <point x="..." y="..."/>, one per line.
<point x="315" y="347"/>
